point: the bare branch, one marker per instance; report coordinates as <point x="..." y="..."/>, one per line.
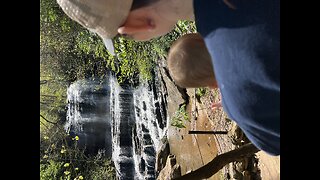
<point x="47" y="120"/>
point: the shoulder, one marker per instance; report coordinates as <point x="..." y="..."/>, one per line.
<point x="245" y="48"/>
<point x="211" y="15"/>
<point x="246" y="63"/>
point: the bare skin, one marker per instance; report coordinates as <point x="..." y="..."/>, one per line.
<point x="158" y="19"/>
<point x="217" y="104"/>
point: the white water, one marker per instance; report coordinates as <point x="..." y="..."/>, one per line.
<point x="145" y="131"/>
<point x="88" y="115"/>
<point x="127" y="123"/>
<point x="145" y="116"/>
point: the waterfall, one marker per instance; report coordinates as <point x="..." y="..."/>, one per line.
<point x="127" y="123"/>
<point x="122" y="112"/>
<point x="149" y="130"/>
<point x="88" y="115"/>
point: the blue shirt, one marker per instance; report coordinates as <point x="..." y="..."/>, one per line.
<point x="244" y="44"/>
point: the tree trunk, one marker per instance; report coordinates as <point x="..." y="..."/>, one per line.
<point x="219" y="162"/>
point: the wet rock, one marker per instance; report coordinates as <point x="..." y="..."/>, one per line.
<point x="144" y="129"/>
<point x="146" y="139"/>
<point x="149" y="150"/>
<point x="142" y="165"/>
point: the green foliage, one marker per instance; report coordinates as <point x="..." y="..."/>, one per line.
<point x="75" y="53"/>
<point x="53" y="97"/>
<point x="60" y="158"/>
<point x="185" y="27"/>
<point x="51" y="170"/>
<point x="135" y="59"/>
<point x="201" y="92"/>
<point x="104" y="171"/>
<point x="179" y="118"/>
<point x="68" y="49"/>
<point x="139" y="58"/>
<point x="161" y="45"/>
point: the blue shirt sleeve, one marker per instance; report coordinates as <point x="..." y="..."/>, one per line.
<point x="245" y="48"/>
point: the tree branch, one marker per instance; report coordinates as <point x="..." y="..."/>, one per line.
<point x="47" y="120"/>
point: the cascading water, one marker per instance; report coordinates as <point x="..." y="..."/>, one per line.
<point x="125" y="122"/>
<point x="88" y="115"/>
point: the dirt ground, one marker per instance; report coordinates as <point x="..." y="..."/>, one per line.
<point x="193" y="151"/>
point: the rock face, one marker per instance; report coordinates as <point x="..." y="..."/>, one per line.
<point x="162" y="154"/>
<point x="175" y="95"/>
<point x="166" y="164"/>
<point x="171" y="170"/>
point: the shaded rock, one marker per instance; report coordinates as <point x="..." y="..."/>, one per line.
<point x="246" y="175"/>
<point x="242" y="165"/>
<point x="236" y="135"/>
<point x="162" y="154"/>
<point x="171" y="170"/>
<point x="237" y="174"/>
<point x="255" y="168"/>
<point x="175" y="94"/>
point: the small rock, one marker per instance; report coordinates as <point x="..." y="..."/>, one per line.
<point x="241" y="166"/>
<point x="237" y="174"/>
<point x="255" y="168"/>
<point x="246" y="175"/>
<point x="236" y="135"/>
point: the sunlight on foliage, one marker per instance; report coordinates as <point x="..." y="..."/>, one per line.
<point x="180" y="117"/>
